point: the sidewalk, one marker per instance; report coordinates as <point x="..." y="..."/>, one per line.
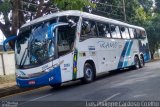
<point x="8" y="86"/>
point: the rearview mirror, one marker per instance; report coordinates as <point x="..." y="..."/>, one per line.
<point x="9" y="39"/>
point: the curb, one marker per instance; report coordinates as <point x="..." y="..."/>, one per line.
<point x="12" y="90"/>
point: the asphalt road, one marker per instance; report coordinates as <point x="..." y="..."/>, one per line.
<point x="132" y="85"/>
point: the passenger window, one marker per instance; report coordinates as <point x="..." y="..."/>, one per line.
<point x="141" y="34"/>
<point x="125" y="33"/>
<point x="135" y="33"/>
<point x="115" y="31"/>
<point x="138" y="33"/>
<point x="118" y="32"/>
<point x="104" y="30"/>
<point x="131" y="32"/>
<point x="88" y="29"/>
<point x="108" y="31"/>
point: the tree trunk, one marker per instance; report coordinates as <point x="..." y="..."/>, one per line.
<point x="17" y="19"/>
<point x="15" y="16"/>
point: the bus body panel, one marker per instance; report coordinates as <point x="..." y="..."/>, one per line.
<point x="109" y="54"/>
<point x="144" y="49"/>
<point x="86" y="52"/>
<point x="66" y="65"/>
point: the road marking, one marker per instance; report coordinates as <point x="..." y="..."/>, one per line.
<point x="109" y="98"/>
<point x="40" y="97"/>
<point x="34" y="99"/>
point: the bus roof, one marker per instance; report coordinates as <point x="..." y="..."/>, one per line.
<point x="79" y="13"/>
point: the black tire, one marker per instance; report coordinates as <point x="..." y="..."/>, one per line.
<point x="142" y="63"/>
<point x="136" y="62"/>
<point x="56" y="86"/>
<point x="88" y="73"/>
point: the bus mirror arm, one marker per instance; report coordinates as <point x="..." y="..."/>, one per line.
<point x="11" y="38"/>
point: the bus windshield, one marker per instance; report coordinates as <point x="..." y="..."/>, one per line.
<point x="36" y="46"/>
<point x="41" y="45"/>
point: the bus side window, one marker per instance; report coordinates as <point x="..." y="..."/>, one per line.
<point x="131" y="33"/>
<point x="104" y="30"/>
<point x="88" y="29"/>
<point x="108" y="31"/>
<point x="143" y="34"/>
<point x="135" y="33"/>
<point x="138" y="33"/>
<point x="101" y="29"/>
<point x="113" y="31"/>
<point x="118" y="32"/>
<point x="125" y="33"/>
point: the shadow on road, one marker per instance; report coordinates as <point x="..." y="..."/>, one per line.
<point x="77" y="83"/>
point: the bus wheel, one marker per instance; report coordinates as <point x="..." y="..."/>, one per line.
<point x="142" y="63"/>
<point x="88" y="73"/>
<point x="136" y="62"/>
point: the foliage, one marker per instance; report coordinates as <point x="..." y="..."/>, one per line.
<point x="157" y="6"/>
<point x="5" y="7"/>
<point x="138" y="12"/>
<point x="152" y="28"/>
<point x="73" y="4"/>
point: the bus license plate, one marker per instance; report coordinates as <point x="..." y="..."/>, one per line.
<point x="31" y="82"/>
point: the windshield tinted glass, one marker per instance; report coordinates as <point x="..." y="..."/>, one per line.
<point x="34" y="46"/>
<point x="41" y="44"/>
<point x="22" y="38"/>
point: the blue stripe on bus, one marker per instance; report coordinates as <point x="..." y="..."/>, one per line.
<point x="128" y="54"/>
<point x="121" y="59"/>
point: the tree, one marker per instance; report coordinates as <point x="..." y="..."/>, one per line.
<point x="5" y="9"/>
<point x="22" y="11"/>
<point x="73" y="4"/>
<point x="157" y="6"/>
<point x="152" y="28"/>
<point x="137" y="11"/>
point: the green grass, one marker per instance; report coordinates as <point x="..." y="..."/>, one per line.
<point x="7" y="79"/>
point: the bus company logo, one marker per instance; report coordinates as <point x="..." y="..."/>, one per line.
<point x="44" y="67"/>
<point x="91" y="48"/>
<point x="104" y="44"/>
<point x="66" y="65"/>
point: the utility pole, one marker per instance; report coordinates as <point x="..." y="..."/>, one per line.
<point x="124" y="10"/>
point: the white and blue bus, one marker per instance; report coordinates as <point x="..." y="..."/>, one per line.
<point x="73" y="45"/>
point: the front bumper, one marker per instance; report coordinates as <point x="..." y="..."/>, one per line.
<point x="52" y="77"/>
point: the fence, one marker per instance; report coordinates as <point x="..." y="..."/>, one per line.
<point x="7" y="63"/>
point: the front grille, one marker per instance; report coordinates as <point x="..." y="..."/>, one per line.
<point x="33" y="75"/>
